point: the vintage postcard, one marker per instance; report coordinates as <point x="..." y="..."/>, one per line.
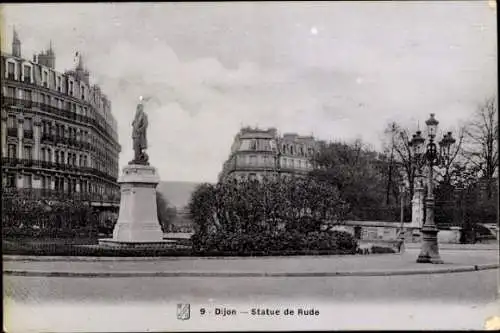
<point x="257" y="166"/>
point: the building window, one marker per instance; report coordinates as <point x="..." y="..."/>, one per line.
<point x="42" y="154"/>
<point x="11" y="121"/>
<point x="11" y="180"/>
<point x="70" y="88"/>
<point x="28" y="153"/>
<point x="28" y="124"/>
<point x="12" y="151"/>
<point x="53" y="79"/>
<point x="27" y="181"/>
<point x="253" y="145"/>
<point x="11" y="92"/>
<point x="11" y="70"/>
<point x="27" y="73"/>
<point x="45" y="80"/>
<point x="49" y="155"/>
<point x="27" y="95"/>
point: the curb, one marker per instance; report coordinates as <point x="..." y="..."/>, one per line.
<point x="250" y="274"/>
<point x="441" y="248"/>
<point x="173" y="258"/>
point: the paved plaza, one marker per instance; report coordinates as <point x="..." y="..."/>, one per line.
<point x="347" y="264"/>
<point x="286" y="277"/>
<point x="387" y="301"/>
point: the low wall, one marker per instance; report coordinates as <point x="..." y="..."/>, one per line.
<point x="451" y="236"/>
<point x="388" y="231"/>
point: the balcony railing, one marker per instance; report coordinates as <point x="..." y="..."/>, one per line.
<point x="62" y="112"/>
<point x="31" y="163"/>
<point x="48" y="137"/>
<point x="9" y="161"/>
<point x="49" y="194"/>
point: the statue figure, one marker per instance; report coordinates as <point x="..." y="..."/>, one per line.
<point x="140" y="143"/>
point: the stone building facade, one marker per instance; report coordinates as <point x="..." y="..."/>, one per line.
<point x="59" y="135"/>
<point x="256" y="153"/>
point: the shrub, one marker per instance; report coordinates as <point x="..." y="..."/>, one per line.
<point x="265" y="243"/>
<point x="253" y="207"/>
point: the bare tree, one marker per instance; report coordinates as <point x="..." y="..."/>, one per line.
<point x="451" y="159"/>
<point x="402" y="153"/>
<point x="481" y="148"/>
<point x="400" y="146"/>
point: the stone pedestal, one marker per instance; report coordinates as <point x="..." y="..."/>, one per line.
<point x="138" y="218"/>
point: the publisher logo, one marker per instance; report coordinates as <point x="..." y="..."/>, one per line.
<point x="183" y="311"/>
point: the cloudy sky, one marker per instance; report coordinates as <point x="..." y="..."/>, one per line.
<point x="338" y="70"/>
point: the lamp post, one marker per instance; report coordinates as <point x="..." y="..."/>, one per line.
<point x="430" y="156"/>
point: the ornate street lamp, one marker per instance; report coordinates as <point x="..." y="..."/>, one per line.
<point x="432" y="157"/>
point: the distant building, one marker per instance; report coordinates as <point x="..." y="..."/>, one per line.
<point x="256" y="153"/>
<point x="59" y="137"/>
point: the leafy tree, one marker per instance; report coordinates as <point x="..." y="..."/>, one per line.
<point x="252" y="206"/>
<point x="201" y="207"/>
<point x="268" y="214"/>
<point x="354" y="170"/>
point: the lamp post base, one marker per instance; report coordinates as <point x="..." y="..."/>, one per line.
<point x="430" y="250"/>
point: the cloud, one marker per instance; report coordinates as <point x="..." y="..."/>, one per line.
<point x="212" y="68"/>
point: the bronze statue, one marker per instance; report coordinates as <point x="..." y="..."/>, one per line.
<point x="140" y="142"/>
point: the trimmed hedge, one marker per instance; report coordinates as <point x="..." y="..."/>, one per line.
<point x="61" y="249"/>
<point x="333" y="242"/>
<point x="327" y="243"/>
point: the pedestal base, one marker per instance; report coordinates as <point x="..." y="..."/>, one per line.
<point x="138" y="217"/>
<point x="430" y="249"/>
<point x="134" y="245"/>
